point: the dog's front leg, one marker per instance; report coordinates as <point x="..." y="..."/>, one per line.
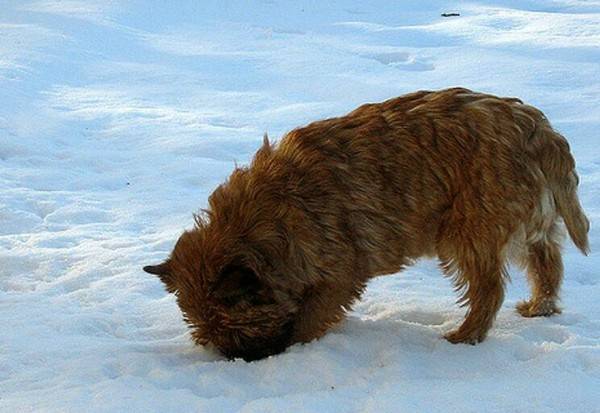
<point x="324" y="305"/>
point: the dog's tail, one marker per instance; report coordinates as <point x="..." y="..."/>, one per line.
<point x="558" y="166"/>
<point x="565" y="196"/>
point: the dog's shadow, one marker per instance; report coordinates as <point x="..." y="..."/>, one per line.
<point x="406" y="322"/>
<point x="422" y="331"/>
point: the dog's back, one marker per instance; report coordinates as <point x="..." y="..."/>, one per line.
<point x="404" y="171"/>
<point x="462" y="175"/>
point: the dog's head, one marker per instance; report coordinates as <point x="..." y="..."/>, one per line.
<point x="234" y="274"/>
<point x="228" y="296"/>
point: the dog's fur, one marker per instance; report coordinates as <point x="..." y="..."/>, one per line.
<point x="288" y="243"/>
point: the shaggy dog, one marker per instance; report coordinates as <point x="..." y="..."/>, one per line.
<point x="289" y="243"/>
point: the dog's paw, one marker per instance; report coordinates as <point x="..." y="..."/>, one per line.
<point x="459" y="336"/>
<point x="538" y="308"/>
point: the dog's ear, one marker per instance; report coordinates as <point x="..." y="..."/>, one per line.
<point x="165" y="274"/>
<point x="238" y="283"/>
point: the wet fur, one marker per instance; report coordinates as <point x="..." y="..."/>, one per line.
<point x="289" y="243"/>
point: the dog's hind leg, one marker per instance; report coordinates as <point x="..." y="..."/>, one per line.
<point x="484" y="292"/>
<point x="545" y="272"/>
<point x="475" y="260"/>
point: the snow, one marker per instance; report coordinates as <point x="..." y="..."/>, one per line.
<point x="118" y="119"/>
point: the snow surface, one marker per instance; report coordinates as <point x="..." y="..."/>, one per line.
<point x="118" y="118"/>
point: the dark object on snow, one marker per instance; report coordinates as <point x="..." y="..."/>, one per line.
<point x="450" y="14"/>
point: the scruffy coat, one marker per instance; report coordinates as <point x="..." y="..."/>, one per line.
<point x="288" y="243"/>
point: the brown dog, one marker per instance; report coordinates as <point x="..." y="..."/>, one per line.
<point x="288" y="243"/>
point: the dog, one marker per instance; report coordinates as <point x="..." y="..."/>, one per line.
<point x="288" y="243"/>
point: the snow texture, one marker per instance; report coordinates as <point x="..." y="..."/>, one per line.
<point x="118" y="119"/>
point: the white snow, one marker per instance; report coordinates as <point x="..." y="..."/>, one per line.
<point x="118" y="119"/>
